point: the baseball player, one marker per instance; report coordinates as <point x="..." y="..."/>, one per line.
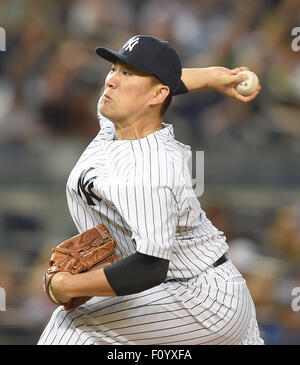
<point x="174" y="282"/>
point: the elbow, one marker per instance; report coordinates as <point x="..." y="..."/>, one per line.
<point x="161" y="273"/>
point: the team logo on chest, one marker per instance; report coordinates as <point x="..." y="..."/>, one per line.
<point x="85" y="186"/>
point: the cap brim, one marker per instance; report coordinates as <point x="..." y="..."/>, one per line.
<point x="113" y="56"/>
<point x="107" y="54"/>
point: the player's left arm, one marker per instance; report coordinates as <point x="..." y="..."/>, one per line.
<point x="133" y="274"/>
<point x="221" y="79"/>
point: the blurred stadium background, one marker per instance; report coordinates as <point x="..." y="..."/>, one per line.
<point x="50" y="80"/>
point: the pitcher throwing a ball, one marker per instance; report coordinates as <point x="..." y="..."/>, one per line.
<point x="174" y="282"/>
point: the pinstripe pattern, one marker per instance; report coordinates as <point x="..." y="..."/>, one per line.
<point x="141" y="191"/>
<point x="146" y="196"/>
<point x="213" y="308"/>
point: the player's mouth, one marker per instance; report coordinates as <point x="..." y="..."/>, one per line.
<point x="107" y="98"/>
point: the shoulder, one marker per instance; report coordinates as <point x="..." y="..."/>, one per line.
<point x="163" y="158"/>
<point x="175" y="150"/>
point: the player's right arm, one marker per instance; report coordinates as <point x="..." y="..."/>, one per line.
<point x="221" y="79"/>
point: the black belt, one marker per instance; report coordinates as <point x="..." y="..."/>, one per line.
<point x="221" y="260"/>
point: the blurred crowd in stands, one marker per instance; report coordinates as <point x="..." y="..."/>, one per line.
<point x="50" y="82"/>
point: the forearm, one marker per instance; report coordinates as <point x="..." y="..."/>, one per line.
<point x="130" y="275"/>
<point x="92" y="283"/>
<point x="217" y="78"/>
<point x="196" y="78"/>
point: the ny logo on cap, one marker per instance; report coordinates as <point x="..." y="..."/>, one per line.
<point x="131" y="43"/>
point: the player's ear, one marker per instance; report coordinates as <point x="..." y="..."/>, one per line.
<point x="160" y="93"/>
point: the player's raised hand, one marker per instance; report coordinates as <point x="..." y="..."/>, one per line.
<point x="226" y="80"/>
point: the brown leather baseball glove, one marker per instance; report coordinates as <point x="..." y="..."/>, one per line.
<point x="89" y="250"/>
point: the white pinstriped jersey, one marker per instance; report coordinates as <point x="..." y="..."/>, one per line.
<point x="141" y="190"/>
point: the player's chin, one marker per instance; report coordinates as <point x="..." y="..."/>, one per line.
<point x="109" y="114"/>
<point x="105" y="110"/>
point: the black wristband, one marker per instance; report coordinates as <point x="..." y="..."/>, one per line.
<point x="136" y="273"/>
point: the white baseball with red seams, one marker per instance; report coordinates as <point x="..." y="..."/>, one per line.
<point x="250" y="85"/>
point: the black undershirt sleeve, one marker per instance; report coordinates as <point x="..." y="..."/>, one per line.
<point x="182" y="89"/>
<point x="136" y="273"/>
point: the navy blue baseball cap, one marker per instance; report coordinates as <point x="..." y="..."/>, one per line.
<point x="151" y="55"/>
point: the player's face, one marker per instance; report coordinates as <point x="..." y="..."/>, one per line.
<point x="127" y="94"/>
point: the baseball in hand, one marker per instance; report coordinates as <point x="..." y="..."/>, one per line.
<point x="248" y="86"/>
